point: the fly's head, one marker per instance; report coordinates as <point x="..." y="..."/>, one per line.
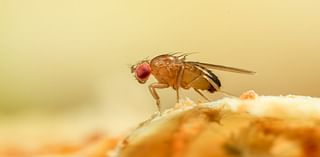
<point x="142" y="71"/>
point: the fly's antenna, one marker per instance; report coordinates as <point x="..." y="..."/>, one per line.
<point x="131" y="67"/>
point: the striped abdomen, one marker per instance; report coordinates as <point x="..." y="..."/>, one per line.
<point x="199" y="77"/>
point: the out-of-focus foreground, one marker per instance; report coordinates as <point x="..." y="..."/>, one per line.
<point x="64" y="65"/>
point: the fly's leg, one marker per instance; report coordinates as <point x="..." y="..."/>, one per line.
<point x="228" y="94"/>
<point x="179" y="78"/>
<point x="192" y="81"/>
<point x="152" y="89"/>
<point x="199" y="92"/>
<point x="216" y="87"/>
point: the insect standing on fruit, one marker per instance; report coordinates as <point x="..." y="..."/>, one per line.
<point x="172" y="70"/>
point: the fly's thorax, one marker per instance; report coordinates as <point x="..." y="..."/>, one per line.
<point x="165" y="68"/>
<point x="164" y="60"/>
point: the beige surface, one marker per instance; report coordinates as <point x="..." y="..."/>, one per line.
<point x="66" y="61"/>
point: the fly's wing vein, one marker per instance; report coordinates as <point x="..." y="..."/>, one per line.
<point x="223" y="68"/>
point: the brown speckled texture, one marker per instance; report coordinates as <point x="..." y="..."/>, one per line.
<point x="229" y="128"/>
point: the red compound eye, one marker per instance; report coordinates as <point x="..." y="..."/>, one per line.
<point x="143" y="71"/>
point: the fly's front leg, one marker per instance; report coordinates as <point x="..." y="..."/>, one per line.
<point x="178" y="83"/>
<point x="152" y="89"/>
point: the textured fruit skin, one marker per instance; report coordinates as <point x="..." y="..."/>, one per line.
<point x="251" y="126"/>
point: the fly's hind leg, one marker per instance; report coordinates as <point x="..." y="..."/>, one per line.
<point x="228" y="94"/>
<point x="215" y="86"/>
<point x="152" y="89"/>
<point x="199" y="92"/>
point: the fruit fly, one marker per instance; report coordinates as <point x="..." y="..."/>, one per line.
<point x="172" y="70"/>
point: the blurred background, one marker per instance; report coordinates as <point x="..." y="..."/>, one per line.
<point x="64" y="64"/>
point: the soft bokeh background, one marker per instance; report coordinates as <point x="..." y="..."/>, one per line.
<point x="64" y="64"/>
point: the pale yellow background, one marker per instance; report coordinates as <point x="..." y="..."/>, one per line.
<point x="64" y="64"/>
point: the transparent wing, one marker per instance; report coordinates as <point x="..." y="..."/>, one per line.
<point x="223" y="68"/>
